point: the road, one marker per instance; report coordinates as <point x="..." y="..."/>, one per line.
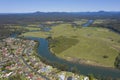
<point x="32" y="68"/>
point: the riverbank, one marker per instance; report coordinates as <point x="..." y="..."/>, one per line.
<point x="82" y="61"/>
<point x="101" y="48"/>
<point x="98" y="42"/>
<point x="56" y="69"/>
<point x="102" y="45"/>
<point x="84" y="69"/>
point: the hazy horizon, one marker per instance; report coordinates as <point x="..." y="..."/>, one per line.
<point x="54" y="12"/>
<point x="29" y="6"/>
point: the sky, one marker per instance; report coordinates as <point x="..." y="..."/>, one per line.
<point x="24" y="6"/>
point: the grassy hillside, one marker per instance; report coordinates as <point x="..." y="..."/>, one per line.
<point x="36" y="34"/>
<point x="61" y="44"/>
<point x="32" y="28"/>
<point x="95" y="45"/>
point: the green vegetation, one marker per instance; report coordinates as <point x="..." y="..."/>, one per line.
<point x="61" y="44"/>
<point x="117" y="62"/>
<point x="98" y="42"/>
<point x="99" y="21"/>
<point x="32" y="28"/>
<point x="15" y="77"/>
<point x="97" y="46"/>
<point x="92" y="45"/>
<point x="112" y="24"/>
<point x="7" y="30"/>
<point x="91" y="77"/>
<point x="36" y="34"/>
<point x="80" y="22"/>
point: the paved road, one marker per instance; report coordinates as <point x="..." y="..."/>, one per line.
<point x="3" y="62"/>
<point x="33" y="69"/>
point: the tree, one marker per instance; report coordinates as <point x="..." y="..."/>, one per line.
<point x="91" y="77"/>
<point x="75" y="70"/>
<point x="117" y="62"/>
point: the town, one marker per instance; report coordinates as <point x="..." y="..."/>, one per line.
<point x="60" y="40"/>
<point x="17" y="57"/>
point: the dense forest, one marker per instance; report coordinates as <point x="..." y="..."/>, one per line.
<point x="7" y="20"/>
<point x="7" y="30"/>
<point x="24" y="18"/>
<point x="117" y="62"/>
<point x="113" y="24"/>
<point x="4" y="31"/>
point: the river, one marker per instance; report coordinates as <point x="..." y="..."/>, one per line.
<point x="44" y="51"/>
<point x="88" y="23"/>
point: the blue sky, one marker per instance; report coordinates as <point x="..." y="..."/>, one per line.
<point x="21" y="6"/>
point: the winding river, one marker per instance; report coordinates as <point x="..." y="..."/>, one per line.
<point x="43" y="50"/>
<point x="88" y="23"/>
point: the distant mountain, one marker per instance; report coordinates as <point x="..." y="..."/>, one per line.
<point x="23" y="18"/>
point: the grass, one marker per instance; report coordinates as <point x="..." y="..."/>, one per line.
<point x="92" y="43"/>
<point x="99" y="21"/>
<point x="81" y="22"/>
<point x="36" y="34"/>
<point x="32" y="28"/>
<point x="61" y="44"/>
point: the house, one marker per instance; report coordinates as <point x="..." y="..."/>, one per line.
<point x="30" y="75"/>
<point x="7" y="75"/>
<point x="40" y="79"/>
<point x="86" y="78"/>
<point x="62" y="77"/>
<point x="70" y="78"/>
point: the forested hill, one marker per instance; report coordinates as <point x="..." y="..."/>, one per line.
<point x="112" y="19"/>
<point x="21" y="18"/>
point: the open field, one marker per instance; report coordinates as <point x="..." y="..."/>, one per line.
<point x="94" y="44"/>
<point x="32" y="28"/>
<point x="99" y="21"/>
<point x="61" y="44"/>
<point x="36" y="34"/>
<point x="80" y="22"/>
